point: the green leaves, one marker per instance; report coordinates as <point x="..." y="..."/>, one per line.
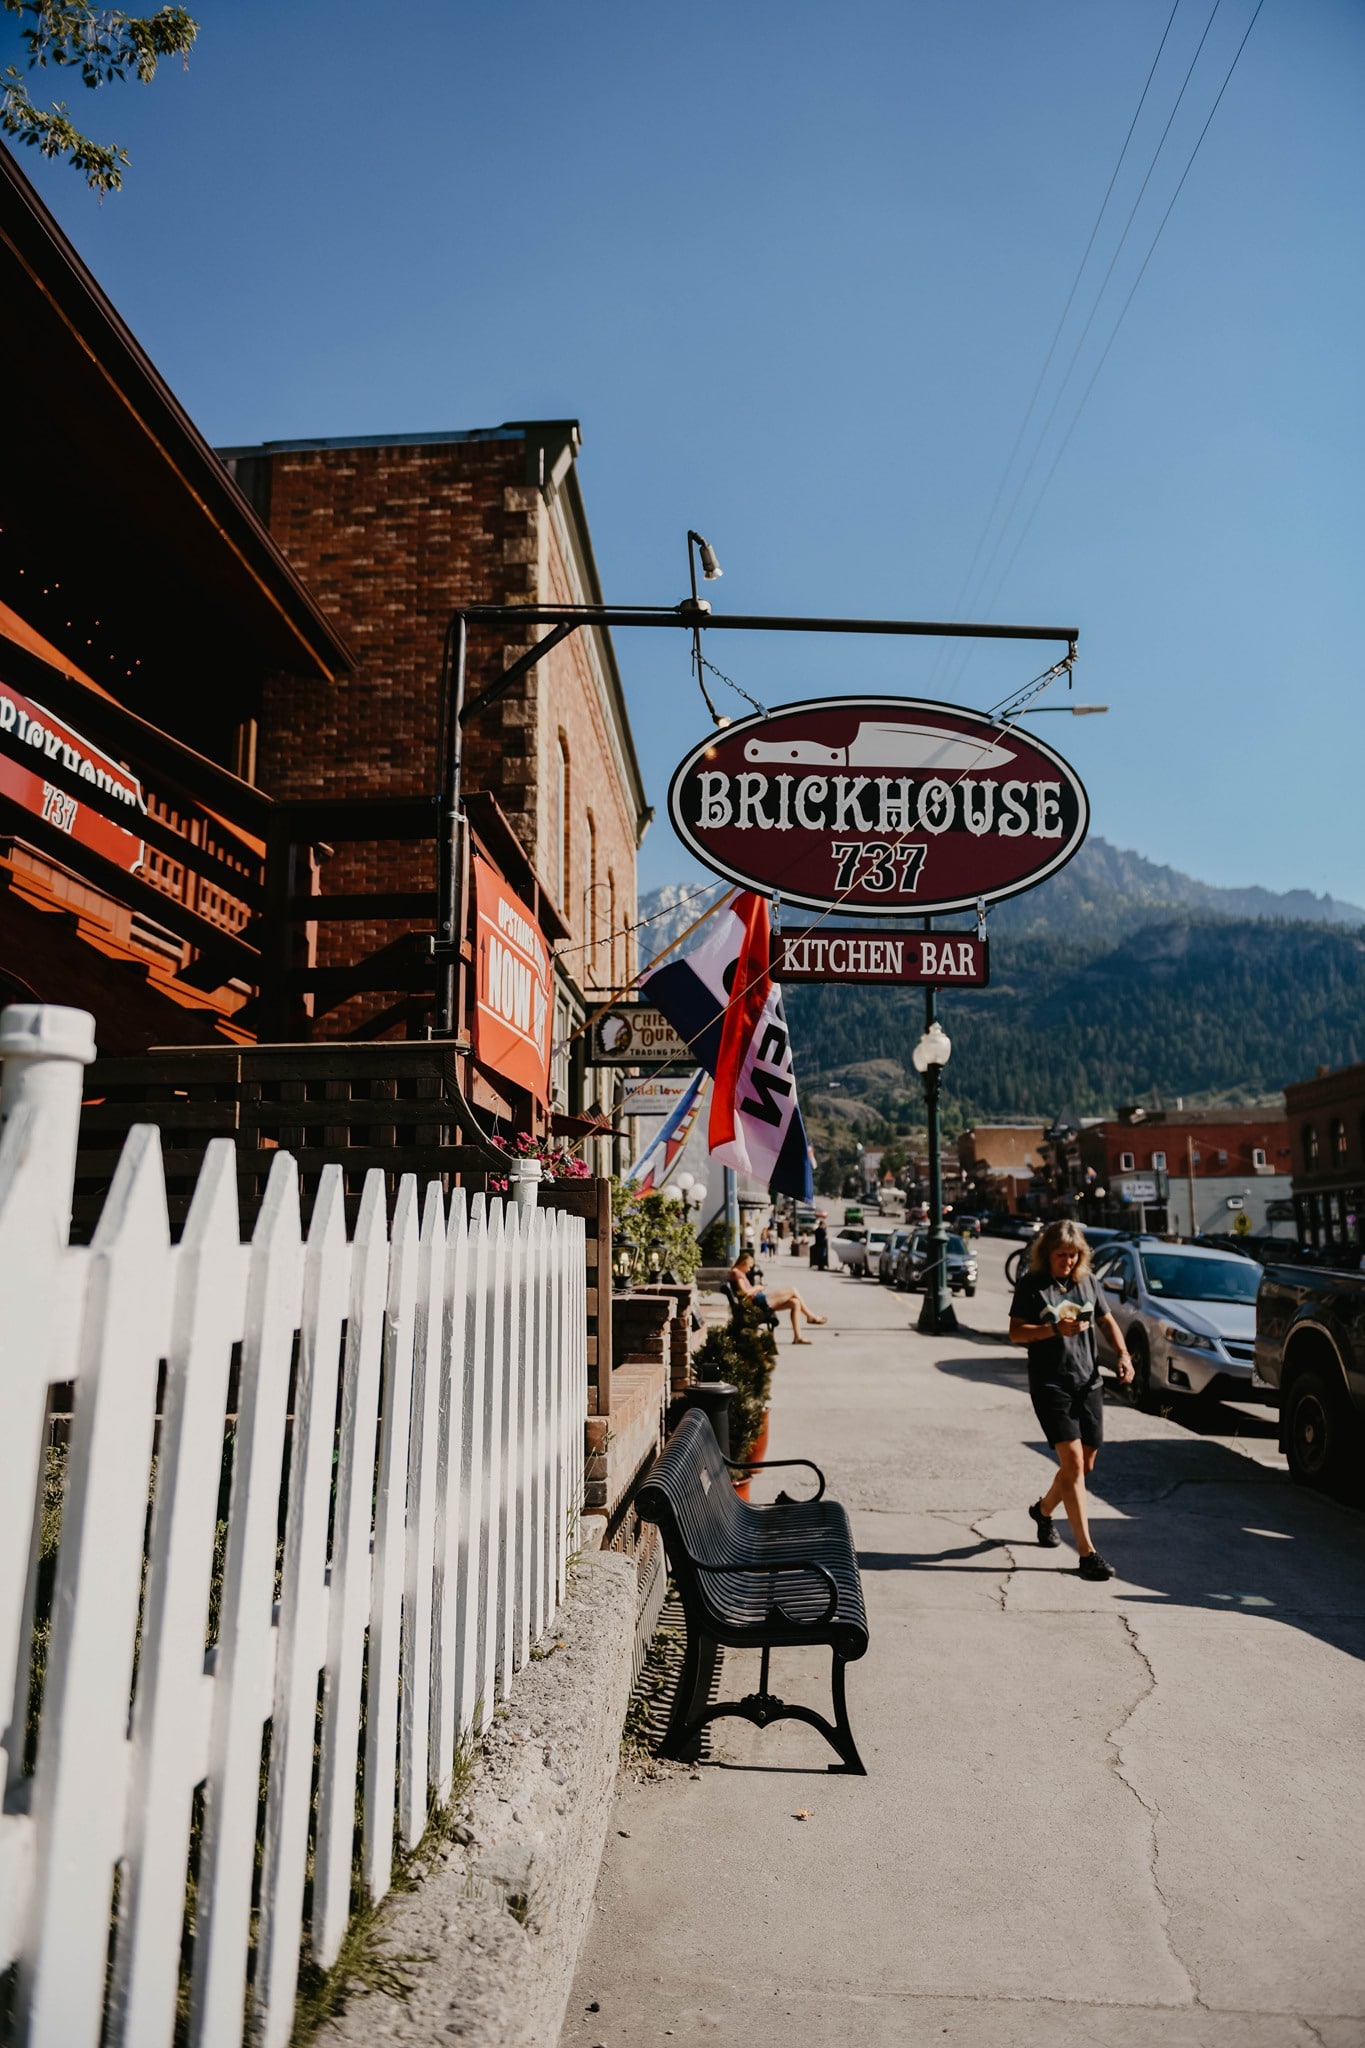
<point x="103" y="43"/>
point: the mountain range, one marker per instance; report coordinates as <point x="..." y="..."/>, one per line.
<point x="1118" y="980"/>
<point x="1104" y="893"/>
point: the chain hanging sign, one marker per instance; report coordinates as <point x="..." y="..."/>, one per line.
<point x="881" y="806"/>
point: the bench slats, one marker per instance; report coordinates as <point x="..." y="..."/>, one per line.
<point x="752" y="1577"/>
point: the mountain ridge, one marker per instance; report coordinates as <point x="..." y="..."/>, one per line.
<point x="1106" y="893"/>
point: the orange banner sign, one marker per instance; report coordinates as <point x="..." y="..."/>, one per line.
<point x="513" y="1005"/>
<point x="30" y="737"/>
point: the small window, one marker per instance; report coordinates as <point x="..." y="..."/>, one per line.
<point x="1125" y="1162"/>
<point x="1338" y="1141"/>
<point x="1310" y="1146"/>
<point x="1158" y="1162"/>
<point x="1258" y="1157"/>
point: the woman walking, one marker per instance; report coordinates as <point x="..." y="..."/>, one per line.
<point x="1054" y="1312"/>
<point x="782" y="1297"/>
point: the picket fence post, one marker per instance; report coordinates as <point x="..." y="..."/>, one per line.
<point x="362" y="1462"/>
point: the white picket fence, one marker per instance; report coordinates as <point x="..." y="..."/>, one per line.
<point x="405" y="1480"/>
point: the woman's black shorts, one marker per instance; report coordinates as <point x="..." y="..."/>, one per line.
<point x="1066" y="1413"/>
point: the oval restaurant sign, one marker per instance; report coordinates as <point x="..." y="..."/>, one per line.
<point x="881" y="805"/>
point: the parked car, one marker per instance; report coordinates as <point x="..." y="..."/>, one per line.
<point x="915" y="1257"/>
<point x="849" y="1246"/>
<point x="879" y="1236"/>
<point x="890" y="1258"/>
<point x="1310" y="1346"/>
<point x="1188" y="1317"/>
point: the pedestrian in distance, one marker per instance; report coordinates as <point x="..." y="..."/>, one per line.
<point x="819" y="1248"/>
<point x="780" y="1298"/>
<point x="1054" y="1311"/>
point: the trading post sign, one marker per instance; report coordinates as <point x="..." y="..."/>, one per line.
<point x="881" y="958"/>
<point x="879" y="805"/>
<point x="635" y="1034"/>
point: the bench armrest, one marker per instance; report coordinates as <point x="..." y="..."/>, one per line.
<point x="800" y="1564"/>
<point x="773" y="1465"/>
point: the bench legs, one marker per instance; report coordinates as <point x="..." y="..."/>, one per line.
<point x="691" y="1713"/>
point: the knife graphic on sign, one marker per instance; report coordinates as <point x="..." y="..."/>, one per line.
<point x="886" y="746"/>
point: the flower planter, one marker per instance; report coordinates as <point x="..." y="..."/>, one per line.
<point x="754" y="1456"/>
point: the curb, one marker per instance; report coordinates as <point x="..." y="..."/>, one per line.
<point x="489" y="1940"/>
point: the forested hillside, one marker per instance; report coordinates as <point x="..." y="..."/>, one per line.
<point x="1226" y="1009"/>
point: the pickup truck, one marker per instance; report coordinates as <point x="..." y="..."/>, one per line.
<point x="1310" y="1343"/>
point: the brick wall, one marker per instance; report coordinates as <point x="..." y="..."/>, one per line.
<point x="391" y="540"/>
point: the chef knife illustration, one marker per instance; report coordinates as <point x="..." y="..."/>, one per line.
<point x="886" y="746"/>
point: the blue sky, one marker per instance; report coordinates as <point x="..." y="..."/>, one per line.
<point x="796" y="269"/>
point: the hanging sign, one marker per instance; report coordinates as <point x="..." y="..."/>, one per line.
<point x="636" y="1035"/>
<point x="879" y="957"/>
<point x="880" y="805"/>
<point x="30" y="737"/>
<point x="512" y="1002"/>
<point x="655" y="1097"/>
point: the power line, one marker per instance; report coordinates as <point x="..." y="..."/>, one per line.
<point x="1060" y="393"/>
<point x="1104" y="357"/>
<point x="943" y="654"/>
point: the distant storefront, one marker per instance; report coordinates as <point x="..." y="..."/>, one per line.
<point x="1216" y="1171"/>
<point x="1327" y="1140"/>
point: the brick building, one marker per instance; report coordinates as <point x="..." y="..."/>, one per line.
<point x="1003" y="1161"/>
<point x="1327" y="1146"/>
<point x="1162" y="1167"/>
<point x="392" y="534"/>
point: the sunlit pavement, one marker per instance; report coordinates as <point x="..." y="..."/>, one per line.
<point x="1124" y="1813"/>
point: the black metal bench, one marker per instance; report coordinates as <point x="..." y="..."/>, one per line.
<point x="752" y="1578"/>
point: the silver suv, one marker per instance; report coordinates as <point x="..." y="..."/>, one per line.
<point x="1188" y="1316"/>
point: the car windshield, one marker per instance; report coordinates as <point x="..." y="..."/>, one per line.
<point x="955" y="1244"/>
<point x="1196" y="1279"/>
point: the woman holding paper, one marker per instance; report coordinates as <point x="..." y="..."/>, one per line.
<point x="1054" y="1312"/>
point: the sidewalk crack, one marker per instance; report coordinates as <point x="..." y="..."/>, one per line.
<point x="1114" y="1740"/>
<point x="1012" y="1566"/>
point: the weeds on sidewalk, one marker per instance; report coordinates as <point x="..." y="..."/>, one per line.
<point x="651" y="1697"/>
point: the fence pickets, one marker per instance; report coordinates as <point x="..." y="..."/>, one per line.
<point x="318" y="1504"/>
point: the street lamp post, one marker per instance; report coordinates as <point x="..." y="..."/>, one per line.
<point x="930" y="1056"/>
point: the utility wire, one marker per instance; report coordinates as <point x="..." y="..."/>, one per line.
<point x="1067" y="374"/>
<point x="1075" y="418"/>
<point x="943" y="654"/>
<point x="1114" y="331"/>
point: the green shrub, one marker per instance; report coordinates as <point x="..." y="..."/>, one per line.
<point x="745" y="1354"/>
<point x="658" y="1232"/>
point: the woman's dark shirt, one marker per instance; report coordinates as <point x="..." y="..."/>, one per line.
<point x="1059" y="1361"/>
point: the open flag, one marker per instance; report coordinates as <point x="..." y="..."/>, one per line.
<point x="656" y="1162"/>
<point x="721" y="998"/>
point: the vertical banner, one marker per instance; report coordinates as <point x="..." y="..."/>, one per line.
<point x="513" y="1002"/>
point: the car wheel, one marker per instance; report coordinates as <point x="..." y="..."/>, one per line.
<point x="969" y="1292"/>
<point x="1142" y="1371"/>
<point x="1318" y="1432"/>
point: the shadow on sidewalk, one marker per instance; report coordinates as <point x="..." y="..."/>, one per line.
<point x="1198" y="1526"/>
<point x="930" y="1560"/>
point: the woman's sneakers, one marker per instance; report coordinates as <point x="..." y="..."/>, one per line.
<point x="1093" y="1566"/>
<point x="1047" y="1535"/>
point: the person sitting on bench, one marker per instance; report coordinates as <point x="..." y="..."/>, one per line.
<point x="781" y="1297"/>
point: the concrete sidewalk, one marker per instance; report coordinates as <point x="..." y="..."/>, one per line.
<point x="1122" y="1814"/>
